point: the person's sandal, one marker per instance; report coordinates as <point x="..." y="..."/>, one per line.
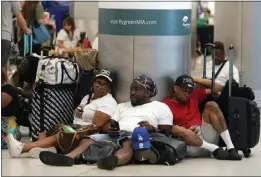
<point x="146" y="154"/>
<point x="53" y="159"/>
<point x="108" y="163"/>
<point x="233" y="154"/>
<point x="221" y="154"/>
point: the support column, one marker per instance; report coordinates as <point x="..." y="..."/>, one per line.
<point x="251" y="46"/>
<point x="152" y="38"/>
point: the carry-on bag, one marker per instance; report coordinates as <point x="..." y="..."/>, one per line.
<point x="53" y="70"/>
<point x="243" y="117"/>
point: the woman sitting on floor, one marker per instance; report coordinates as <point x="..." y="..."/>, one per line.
<point x="68" y="38"/>
<point x="98" y="107"/>
<point x="10" y="108"/>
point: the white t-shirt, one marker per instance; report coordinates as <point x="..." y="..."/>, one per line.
<point x="223" y="76"/>
<point x="67" y="43"/>
<point x="156" y="113"/>
<point x="106" y="104"/>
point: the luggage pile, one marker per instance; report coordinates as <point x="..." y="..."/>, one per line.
<point x="53" y="93"/>
<point x="237" y="103"/>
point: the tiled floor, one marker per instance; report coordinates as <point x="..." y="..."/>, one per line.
<point x="188" y="167"/>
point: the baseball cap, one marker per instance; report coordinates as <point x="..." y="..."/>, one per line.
<point x="104" y="73"/>
<point x="140" y="138"/>
<point x="185" y="81"/>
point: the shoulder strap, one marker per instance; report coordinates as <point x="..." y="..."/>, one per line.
<point x="220" y="69"/>
<point x="175" y="143"/>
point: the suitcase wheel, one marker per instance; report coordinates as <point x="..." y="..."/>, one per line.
<point x="247" y="152"/>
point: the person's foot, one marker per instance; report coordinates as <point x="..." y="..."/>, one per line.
<point x="220" y="154"/>
<point x="108" y="163"/>
<point x="233" y="154"/>
<point x="15" y="147"/>
<point x="50" y="158"/>
<point x="35" y="152"/>
<point x="146" y="154"/>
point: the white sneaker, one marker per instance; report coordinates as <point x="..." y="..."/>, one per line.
<point x="34" y="152"/>
<point x="14" y="147"/>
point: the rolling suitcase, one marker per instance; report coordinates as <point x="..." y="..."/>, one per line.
<point x="243" y="117"/>
<point x="52" y="104"/>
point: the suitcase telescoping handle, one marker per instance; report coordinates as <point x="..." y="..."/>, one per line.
<point x="231" y="64"/>
<point x="213" y="53"/>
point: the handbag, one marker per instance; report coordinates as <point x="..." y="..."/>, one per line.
<point x="57" y="71"/>
<point x="87" y="59"/>
<point x="96" y="151"/>
<point x="40" y="34"/>
<point x="67" y="141"/>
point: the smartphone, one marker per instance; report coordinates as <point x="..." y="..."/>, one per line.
<point x="79" y="109"/>
<point x="115" y="124"/>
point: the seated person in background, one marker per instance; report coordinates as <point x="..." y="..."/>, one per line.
<point x="223" y="76"/>
<point x="129" y="116"/>
<point x="68" y="38"/>
<point x="98" y="107"/>
<point x="23" y="80"/>
<point x="10" y="108"/>
<point x="201" y="132"/>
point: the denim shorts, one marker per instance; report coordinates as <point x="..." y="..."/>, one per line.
<point x="124" y="135"/>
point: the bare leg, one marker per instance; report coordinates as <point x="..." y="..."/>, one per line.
<point x="214" y="116"/>
<point x="81" y="148"/>
<point x="125" y="153"/>
<point x="187" y="136"/>
<point x="44" y="143"/>
<point x="193" y="139"/>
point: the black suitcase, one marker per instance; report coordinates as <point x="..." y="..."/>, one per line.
<point x="243" y="117"/>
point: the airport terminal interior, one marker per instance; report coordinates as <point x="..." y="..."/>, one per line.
<point x="162" y="40"/>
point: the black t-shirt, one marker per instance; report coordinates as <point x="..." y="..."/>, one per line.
<point x="13" y="107"/>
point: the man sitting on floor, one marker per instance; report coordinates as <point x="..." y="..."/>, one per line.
<point x="201" y="135"/>
<point x="139" y="111"/>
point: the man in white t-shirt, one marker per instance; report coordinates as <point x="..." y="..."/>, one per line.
<point x="223" y="75"/>
<point x="140" y="111"/>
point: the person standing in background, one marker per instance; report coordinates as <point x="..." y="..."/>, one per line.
<point x="33" y="13"/>
<point x="10" y="8"/>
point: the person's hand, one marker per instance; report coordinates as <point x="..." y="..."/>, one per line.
<point x="195" y="79"/>
<point x="147" y="125"/>
<point x="28" y="31"/>
<point x="194" y="128"/>
<point x="144" y="123"/>
<point x="113" y="132"/>
<point x="78" y="112"/>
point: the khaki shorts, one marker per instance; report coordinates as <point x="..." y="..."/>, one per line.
<point x="208" y="134"/>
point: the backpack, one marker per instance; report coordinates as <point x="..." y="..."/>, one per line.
<point x="169" y="150"/>
<point x="96" y="151"/>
